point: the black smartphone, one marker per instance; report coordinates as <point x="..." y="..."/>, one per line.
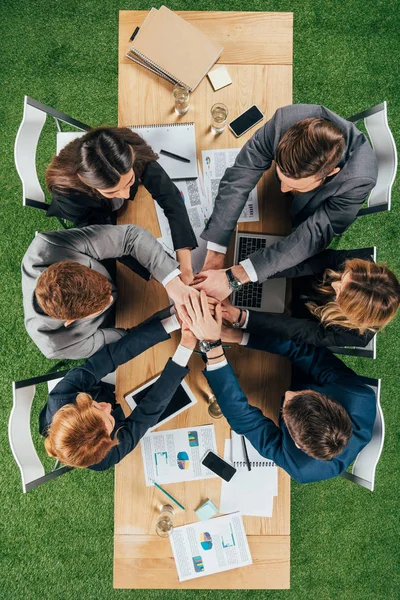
<point x="246" y="120"/>
<point x="218" y="466"/>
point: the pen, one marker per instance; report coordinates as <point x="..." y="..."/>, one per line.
<point x="176" y="156"/>
<point x="246" y="456"/>
<point x="169" y="495"/>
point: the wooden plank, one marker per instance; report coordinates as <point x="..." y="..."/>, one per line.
<point x="147" y="562"/>
<point x="247" y="37"/>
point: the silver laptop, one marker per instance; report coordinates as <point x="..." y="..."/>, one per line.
<point x="268" y="296"/>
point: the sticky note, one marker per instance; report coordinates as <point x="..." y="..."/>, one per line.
<point x="206" y="510"/>
<point x="219" y="78"/>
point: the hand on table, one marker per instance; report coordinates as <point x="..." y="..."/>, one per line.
<point x="198" y="318"/>
<point x="214" y="260"/>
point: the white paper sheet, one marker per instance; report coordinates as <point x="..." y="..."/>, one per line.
<point x="250" y="492"/>
<point x="175" y="455"/>
<point x="215" y="163"/>
<point x="208" y="547"/>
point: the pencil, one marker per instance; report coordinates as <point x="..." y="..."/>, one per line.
<point x="246" y="456"/>
<point x="169" y="495"/>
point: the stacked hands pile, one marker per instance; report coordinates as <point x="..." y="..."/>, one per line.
<point x="339" y="298"/>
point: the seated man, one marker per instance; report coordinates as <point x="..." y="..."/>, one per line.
<point x="327" y="415"/>
<point x="323" y="161"/>
<point x="68" y="294"/>
<point x="83" y="425"/>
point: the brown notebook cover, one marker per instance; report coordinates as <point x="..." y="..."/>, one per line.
<point x="172" y="47"/>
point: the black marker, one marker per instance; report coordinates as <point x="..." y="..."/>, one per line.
<point x="246" y="456"/>
<point x="176" y="156"/>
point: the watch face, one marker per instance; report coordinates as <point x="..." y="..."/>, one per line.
<point x="235" y="285"/>
<point x="204" y="346"/>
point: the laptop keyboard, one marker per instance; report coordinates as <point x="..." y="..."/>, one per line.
<point x="250" y="296"/>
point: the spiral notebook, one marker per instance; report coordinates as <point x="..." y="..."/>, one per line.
<point x="178" y="138"/>
<point x="255" y="458"/>
<point x="174" y="49"/>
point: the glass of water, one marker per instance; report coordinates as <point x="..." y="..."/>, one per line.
<point x="165" y="525"/>
<point x="219" y="116"/>
<point x="181" y="96"/>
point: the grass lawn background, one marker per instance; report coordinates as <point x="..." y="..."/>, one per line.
<point x="57" y="541"/>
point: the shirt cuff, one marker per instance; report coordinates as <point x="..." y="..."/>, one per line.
<point x="217" y="365"/>
<point x="245" y="339"/>
<point x="246" y="321"/>
<point x="170" y="277"/>
<point x="216" y="247"/>
<point x="170" y="324"/>
<point x="250" y="270"/>
<point x="182" y="355"/>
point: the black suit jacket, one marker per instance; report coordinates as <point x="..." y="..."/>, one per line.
<point x="84" y="210"/>
<point x="87" y="378"/>
<point x="302" y="326"/>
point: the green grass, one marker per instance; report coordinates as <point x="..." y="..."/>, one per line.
<point x="57" y="542"/>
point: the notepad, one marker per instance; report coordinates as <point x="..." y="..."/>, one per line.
<point x="173" y="48"/>
<point x="178" y="138"/>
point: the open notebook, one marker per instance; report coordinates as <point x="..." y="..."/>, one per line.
<point x="174" y="49"/>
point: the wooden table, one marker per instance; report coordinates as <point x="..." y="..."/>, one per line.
<point x="258" y="55"/>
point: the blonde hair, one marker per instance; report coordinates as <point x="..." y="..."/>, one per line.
<point x="78" y="436"/>
<point x="368" y="301"/>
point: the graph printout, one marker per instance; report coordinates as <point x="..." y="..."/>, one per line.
<point x="175" y="455"/>
<point x="212" y="546"/>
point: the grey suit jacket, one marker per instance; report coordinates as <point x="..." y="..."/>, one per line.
<point x="318" y="215"/>
<point x="86" y="246"/>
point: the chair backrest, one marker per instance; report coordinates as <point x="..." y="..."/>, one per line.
<point x="19" y="433"/>
<point x="377" y="126"/>
<point x="368" y="351"/>
<point x="34" y="117"/>
<point x="364" y="467"/>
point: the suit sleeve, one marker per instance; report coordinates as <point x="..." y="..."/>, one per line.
<point x="169" y="198"/>
<point x="114" y="241"/>
<point x="83" y="348"/>
<point x="145" y="415"/>
<point x="319" y="363"/>
<point x="303" y="331"/>
<point x="252" y="161"/>
<point x="75" y="211"/>
<point x="313" y="235"/>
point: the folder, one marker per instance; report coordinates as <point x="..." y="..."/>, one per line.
<point x="173" y="49"/>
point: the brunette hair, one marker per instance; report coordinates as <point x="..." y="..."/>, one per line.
<point x="318" y="424"/>
<point x="97" y="160"/>
<point x="310" y="147"/>
<point x="68" y="290"/>
<point x="368" y="301"/>
<point x="77" y="435"/>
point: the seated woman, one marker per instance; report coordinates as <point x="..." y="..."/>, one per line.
<point x="92" y="176"/>
<point x="339" y="298"/>
<point x="83" y="425"/>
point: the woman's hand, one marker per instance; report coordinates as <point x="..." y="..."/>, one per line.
<point x="188" y="339"/>
<point x="179" y="292"/>
<point x="199" y="319"/>
<point x="187" y="276"/>
<point x="229" y="312"/>
<point x="184" y="258"/>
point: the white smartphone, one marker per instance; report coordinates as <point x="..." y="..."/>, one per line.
<point x="246" y="120"/>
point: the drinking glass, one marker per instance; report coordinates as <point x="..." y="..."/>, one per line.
<point x="165" y="525"/>
<point x="181" y="96"/>
<point x="219" y="116"/>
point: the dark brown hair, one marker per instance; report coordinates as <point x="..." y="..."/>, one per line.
<point x="310" y="147"/>
<point x="99" y="157"/>
<point x="78" y="436"/>
<point x="369" y="300"/>
<point x="318" y="424"/>
<point x="67" y="290"/>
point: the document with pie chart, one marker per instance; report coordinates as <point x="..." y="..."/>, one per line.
<point x="175" y="455"/>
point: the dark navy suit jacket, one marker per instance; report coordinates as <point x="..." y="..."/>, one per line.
<point x="313" y="368"/>
<point x="87" y="378"/>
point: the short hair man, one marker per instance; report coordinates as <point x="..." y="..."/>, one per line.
<point x="68" y="294"/>
<point x="322" y="160"/>
<point x="327" y="415"/>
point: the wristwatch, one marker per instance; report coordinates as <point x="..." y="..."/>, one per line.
<point x="206" y="346"/>
<point x="237" y="324"/>
<point x="233" y="281"/>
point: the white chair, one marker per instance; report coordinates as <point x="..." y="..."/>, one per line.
<point x="363" y="470"/>
<point x="377" y="126"/>
<point x="34" y="117"/>
<point x="368" y="351"/>
<point x="19" y="430"/>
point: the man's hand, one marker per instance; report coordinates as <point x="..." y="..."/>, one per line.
<point x="229" y="312"/>
<point x="230" y="335"/>
<point x="199" y="319"/>
<point x="214" y="260"/>
<point x="214" y="283"/>
<point x="178" y="292"/>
